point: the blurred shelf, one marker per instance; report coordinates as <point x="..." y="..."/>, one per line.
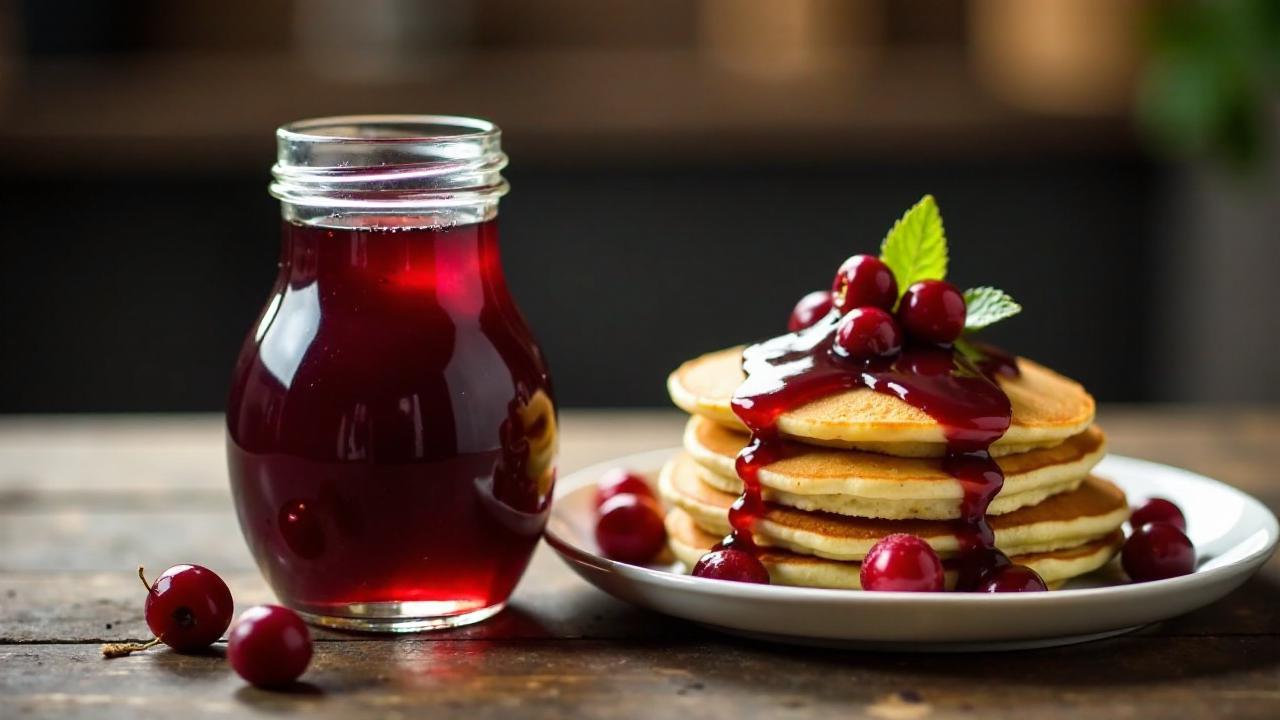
<point x="569" y="106"/>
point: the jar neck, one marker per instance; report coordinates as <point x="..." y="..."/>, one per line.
<point x="339" y="218"/>
<point x="444" y="260"/>
<point x="389" y="171"/>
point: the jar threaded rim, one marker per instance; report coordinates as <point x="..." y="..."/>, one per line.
<point x="381" y="163"/>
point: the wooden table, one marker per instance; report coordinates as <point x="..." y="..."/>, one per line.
<point x="83" y="500"/>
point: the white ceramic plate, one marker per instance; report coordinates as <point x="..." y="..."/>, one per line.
<point x="1234" y="535"/>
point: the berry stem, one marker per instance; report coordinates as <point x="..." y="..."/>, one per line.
<point x="143" y="578"/>
<point x="115" y="650"/>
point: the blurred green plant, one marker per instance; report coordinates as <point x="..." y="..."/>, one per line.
<point x="1213" y="81"/>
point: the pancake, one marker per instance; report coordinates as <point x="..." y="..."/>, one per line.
<point x="1092" y="510"/>
<point x="852" y="482"/>
<point x="689" y="542"/>
<point x="1047" y="409"/>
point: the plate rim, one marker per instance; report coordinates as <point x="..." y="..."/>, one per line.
<point x="571" y="552"/>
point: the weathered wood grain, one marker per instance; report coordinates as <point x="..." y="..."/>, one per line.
<point x="710" y="678"/>
<point x="78" y="607"/>
<point x="83" y="500"/>
<point x="550" y="603"/>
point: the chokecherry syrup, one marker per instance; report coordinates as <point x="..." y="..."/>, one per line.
<point x="956" y="390"/>
<point x="391" y="435"/>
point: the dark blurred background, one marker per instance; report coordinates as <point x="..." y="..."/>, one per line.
<point x="681" y="172"/>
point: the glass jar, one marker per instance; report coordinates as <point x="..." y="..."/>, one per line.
<point x="391" y="428"/>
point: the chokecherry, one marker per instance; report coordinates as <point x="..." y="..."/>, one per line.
<point x="1012" y="578"/>
<point x="270" y="646"/>
<point x="301" y="528"/>
<point x="932" y="311"/>
<point x="620" y="481"/>
<point x="904" y="563"/>
<point x="1158" y="510"/>
<point x="630" y="529"/>
<point x="811" y="308"/>
<point x="1156" y="551"/>
<point x="733" y="565"/>
<point x="867" y="332"/>
<point x="187" y="608"/>
<point x="861" y="281"/>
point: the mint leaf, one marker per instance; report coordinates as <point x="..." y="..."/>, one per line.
<point x="969" y="351"/>
<point x="986" y="306"/>
<point x="916" y="248"/>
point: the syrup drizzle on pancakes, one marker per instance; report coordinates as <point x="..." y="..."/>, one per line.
<point x="956" y="389"/>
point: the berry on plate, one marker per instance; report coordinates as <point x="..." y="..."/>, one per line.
<point x="901" y="563"/>
<point x="733" y="565"/>
<point x="1157" y="551"/>
<point x="630" y="530"/>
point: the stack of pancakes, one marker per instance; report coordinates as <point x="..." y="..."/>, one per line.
<point x="861" y="465"/>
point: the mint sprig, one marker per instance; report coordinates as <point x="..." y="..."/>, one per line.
<point x="986" y="306"/>
<point x="916" y="247"/>
<point x="966" y="348"/>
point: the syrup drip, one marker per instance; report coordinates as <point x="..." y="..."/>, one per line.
<point x="954" y="388"/>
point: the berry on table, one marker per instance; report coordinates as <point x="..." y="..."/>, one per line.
<point x="269" y="646"/>
<point x="732" y="565"/>
<point x="811" y="308"/>
<point x="867" y="332"/>
<point x="1157" y="551"/>
<point x="188" y="608"/>
<point x="630" y="529"/>
<point x="901" y="563"/>
<point x="864" y="281"/>
<point x="932" y="311"/>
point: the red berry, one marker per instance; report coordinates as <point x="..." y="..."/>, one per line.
<point x="1156" y="551"/>
<point x="902" y="562"/>
<point x="867" y="332"/>
<point x="862" y="281"/>
<point x="619" y="481"/>
<point x="732" y="565"/>
<point x="811" y="308"/>
<point x="301" y="529"/>
<point x="1158" y="510"/>
<point x="188" y="607"/>
<point x="932" y="311"/>
<point x="630" y="529"/>
<point x="1013" y="578"/>
<point x="270" y="646"/>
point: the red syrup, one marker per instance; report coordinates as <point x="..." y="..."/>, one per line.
<point x="391" y="435"/>
<point x="954" y="388"/>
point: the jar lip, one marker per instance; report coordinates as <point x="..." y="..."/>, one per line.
<point x="363" y="129"/>
<point x="333" y="168"/>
